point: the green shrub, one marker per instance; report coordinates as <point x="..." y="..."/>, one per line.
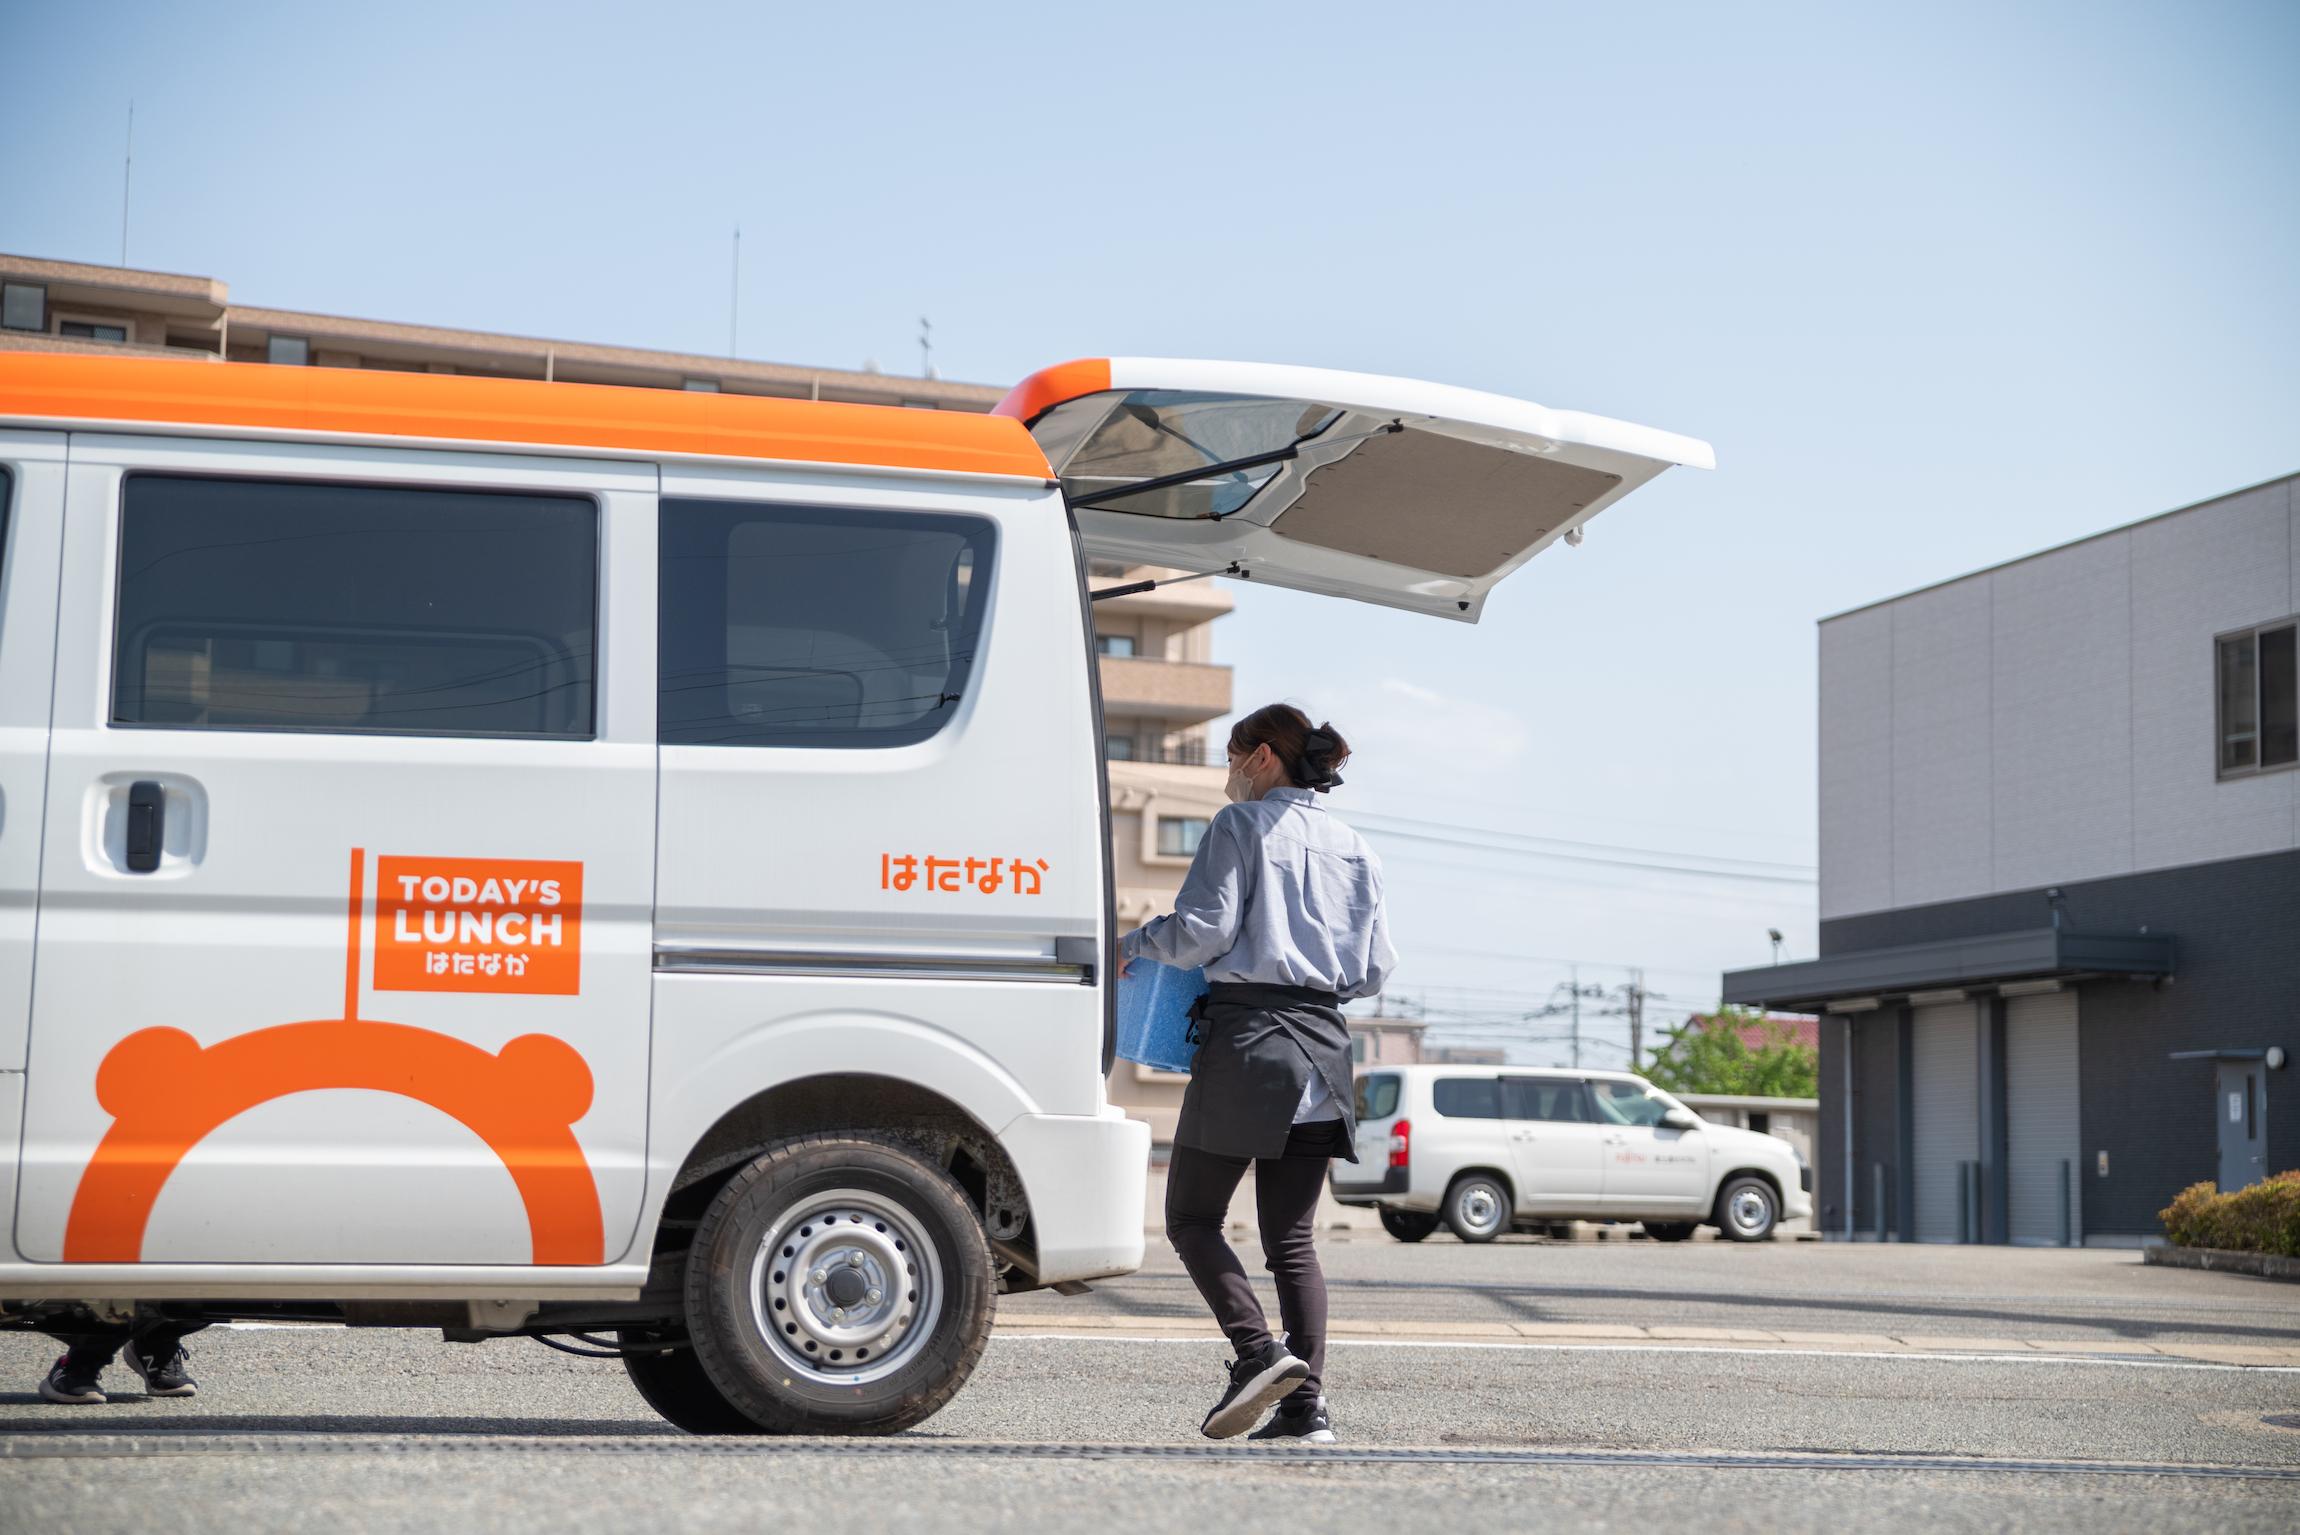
<point x="2263" y="1218"/>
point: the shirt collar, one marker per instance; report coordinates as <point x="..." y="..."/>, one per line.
<point x="1292" y="796"/>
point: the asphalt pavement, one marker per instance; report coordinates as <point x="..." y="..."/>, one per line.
<point x="1083" y="1413"/>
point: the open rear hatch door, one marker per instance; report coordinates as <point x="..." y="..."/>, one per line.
<point x="1386" y="490"/>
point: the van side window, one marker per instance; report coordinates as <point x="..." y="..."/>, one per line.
<point x="1377" y="1097"/>
<point x="373" y="609"/>
<point x="1559" y="1100"/>
<point x="806" y="626"/>
<point x="1466" y="1097"/>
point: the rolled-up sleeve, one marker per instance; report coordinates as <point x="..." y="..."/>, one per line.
<point x="1207" y="909"/>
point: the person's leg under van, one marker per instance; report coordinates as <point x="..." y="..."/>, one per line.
<point x="1286" y="1191"/>
<point x="1198" y="1189"/>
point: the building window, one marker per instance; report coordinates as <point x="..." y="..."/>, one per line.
<point x="2258" y="687"/>
<point x="1179" y="836"/>
<point x="1118" y="747"/>
<point x="279" y="605"/>
<point x="785" y="625"/>
<point x="23" y="306"/>
<point x="92" y="330"/>
<point x="1358" y="1047"/>
<point x="1114" y="644"/>
<point x="288" y="351"/>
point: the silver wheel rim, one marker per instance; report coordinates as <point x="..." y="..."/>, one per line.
<point x="1479" y="1207"/>
<point x="1749" y="1210"/>
<point x="846" y="1288"/>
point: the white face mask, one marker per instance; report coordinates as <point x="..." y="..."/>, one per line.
<point x="1238" y="787"/>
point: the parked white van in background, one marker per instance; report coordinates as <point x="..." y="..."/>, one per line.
<point x="1486" y="1149"/>
<point x="543" y="859"/>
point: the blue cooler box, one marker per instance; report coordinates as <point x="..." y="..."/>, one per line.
<point x="1154" y="1014"/>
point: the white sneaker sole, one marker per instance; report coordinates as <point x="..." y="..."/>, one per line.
<point x="1246" y="1408"/>
<point x="49" y="1393"/>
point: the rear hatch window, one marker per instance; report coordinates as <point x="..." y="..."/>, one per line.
<point x="1377" y="1097"/>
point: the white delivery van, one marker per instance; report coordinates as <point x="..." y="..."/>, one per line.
<point x="540" y="859"/>
<point x="1488" y="1149"/>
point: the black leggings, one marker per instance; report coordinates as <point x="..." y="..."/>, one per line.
<point x="1198" y="1189"/>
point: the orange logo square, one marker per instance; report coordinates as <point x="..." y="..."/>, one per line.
<point x="479" y="924"/>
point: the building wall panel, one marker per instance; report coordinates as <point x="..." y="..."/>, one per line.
<point x="1856" y="767"/>
<point x="2194" y="575"/>
<point x="1941" y="757"/>
<point x="2061" y="717"/>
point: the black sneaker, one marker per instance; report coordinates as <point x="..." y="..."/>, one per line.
<point x="1255" y="1382"/>
<point x="1307" y="1423"/>
<point x="161" y="1377"/>
<point x="73" y="1385"/>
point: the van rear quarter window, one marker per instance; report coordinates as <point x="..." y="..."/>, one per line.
<point x="288" y="605"/>
<point x="807" y="626"/>
<point x="1377" y="1097"/>
<point x="1467" y="1097"/>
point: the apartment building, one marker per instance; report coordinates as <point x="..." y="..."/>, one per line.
<point x="1160" y="684"/>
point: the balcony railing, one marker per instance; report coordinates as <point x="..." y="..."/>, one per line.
<point x="1182" y="692"/>
<point x="1171" y="753"/>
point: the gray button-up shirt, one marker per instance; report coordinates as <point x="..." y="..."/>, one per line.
<point x="1282" y="894"/>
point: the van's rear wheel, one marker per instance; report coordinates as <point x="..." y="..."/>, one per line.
<point x="838" y="1286"/>
<point x="1408" y="1225"/>
<point x="676" y="1385"/>
<point x="1477" y="1207"/>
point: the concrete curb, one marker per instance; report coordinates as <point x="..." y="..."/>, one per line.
<point x="2224" y="1261"/>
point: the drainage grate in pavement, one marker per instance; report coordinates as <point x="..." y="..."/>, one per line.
<point x="66" y="1445"/>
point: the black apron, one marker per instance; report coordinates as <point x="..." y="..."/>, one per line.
<point x="1257" y="1046"/>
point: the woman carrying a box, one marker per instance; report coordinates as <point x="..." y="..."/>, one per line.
<point x="1283" y="909"/>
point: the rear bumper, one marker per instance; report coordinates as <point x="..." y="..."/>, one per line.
<point x="1088" y="1181"/>
<point x="1394" y="1181"/>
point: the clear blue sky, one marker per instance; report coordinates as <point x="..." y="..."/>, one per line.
<point x="1945" y="284"/>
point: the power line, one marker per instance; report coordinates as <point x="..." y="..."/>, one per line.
<point x="1772" y="864"/>
<point x="1750" y="876"/>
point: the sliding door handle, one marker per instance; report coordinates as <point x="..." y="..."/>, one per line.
<point x="147" y="825"/>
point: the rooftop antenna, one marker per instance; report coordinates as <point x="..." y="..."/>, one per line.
<point x="925" y="347"/>
<point x="127" y="172"/>
<point x="734" y="290"/>
<point x="1774" y="933"/>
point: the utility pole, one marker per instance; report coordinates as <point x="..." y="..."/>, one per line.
<point x="925" y="347"/>
<point x="127" y="175"/>
<point x="734" y="290"/>
<point x="1576" y="973"/>
<point x="1636" y="1002"/>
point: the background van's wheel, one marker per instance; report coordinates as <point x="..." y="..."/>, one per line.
<point x="1408" y="1225"/>
<point x="675" y="1385"/>
<point x="1747" y="1210"/>
<point x="838" y="1286"/>
<point x="1477" y="1207"/>
<point x="1670" y="1231"/>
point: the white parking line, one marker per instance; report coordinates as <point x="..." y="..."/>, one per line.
<point x="1669" y="1348"/>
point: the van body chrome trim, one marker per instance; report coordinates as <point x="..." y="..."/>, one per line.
<point x="878" y="966"/>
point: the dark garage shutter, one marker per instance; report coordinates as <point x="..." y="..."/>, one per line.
<point x="1947" y="1120"/>
<point x="2040" y="1116"/>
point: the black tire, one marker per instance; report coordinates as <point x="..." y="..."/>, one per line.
<point x="1670" y="1231"/>
<point x="676" y="1385"/>
<point x="861" y="1213"/>
<point x="1477" y="1207"/>
<point x="1408" y="1225"/>
<point x="1747" y="1209"/>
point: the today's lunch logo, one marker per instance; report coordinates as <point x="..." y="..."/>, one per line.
<point x="479" y="924"/>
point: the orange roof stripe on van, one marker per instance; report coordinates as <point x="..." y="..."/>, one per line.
<point x="1049" y="387"/>
<point x="511" y="412"/>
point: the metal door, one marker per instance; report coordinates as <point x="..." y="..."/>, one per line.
<point x="2243" y="1106"/>
<point x="1947" y="1120"/>
<point x="2042" y="1141"/>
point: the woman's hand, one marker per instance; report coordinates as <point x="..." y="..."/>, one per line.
<point x="1126" y="965"/>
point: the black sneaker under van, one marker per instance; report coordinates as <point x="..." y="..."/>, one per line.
<point x="72" y="1385"/>
<point x="162" y="1377"/>
<point x="1255" y="1382"/>
<point x="1306" y="1424"/>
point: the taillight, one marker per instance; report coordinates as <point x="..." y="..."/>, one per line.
<point x="1401" y="1142"/>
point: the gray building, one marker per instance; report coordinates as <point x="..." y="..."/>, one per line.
<point x="2060" y="885"/>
